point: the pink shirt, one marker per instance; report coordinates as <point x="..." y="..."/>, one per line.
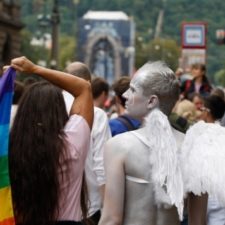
<point x="197" y="87"/>
<point x="78" y="141"/>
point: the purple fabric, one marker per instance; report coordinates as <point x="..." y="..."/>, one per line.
<point x="6" y="81"/>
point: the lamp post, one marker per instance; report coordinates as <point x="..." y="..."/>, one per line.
<point x="55" y="20"/>
<point x="76" y="2"/>
<point x="44" y="22"/>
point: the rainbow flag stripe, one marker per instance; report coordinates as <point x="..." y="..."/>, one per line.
<point x="6" y="95"/>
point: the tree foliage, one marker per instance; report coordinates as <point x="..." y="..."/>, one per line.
<point x="145" y="14"/>
<point x="220" y="78"/>
<point x="166" y="50"/>
<point x="67" y="52"/>
<point x="34" y="53"/>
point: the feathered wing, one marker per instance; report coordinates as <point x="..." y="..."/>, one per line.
<point x="202" y="160"/>
<point x="166" y="173"/>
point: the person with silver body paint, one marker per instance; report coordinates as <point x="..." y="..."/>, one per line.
<point x="143" y="179"/>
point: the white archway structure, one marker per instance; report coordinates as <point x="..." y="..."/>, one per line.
<point x="116" y="46"/>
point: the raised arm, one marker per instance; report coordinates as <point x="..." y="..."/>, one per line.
<point x="115" y="185"/>
<point x="79" y="88"/>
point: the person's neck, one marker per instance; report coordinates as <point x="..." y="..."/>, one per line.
<point x="121" y="110"/>
<point x="210" y="119"/>
<point x="198" y="80"/>
<point x="98" y="103"/>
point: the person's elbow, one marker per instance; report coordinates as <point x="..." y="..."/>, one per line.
<point x="87" y="86"/>
<point x="84" y="89"/>
<point x="86" y="94"/>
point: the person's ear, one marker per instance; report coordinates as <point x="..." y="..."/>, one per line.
<point x="153" y="102"/>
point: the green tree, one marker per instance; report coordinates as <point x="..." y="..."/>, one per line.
<point x="34" y="53"/>
<point x="158" y="49"/>
<point x="67" y="50"/>
<point x="220" y="78"/>
<point x="141" y="55"/>
<point x="145" y="13"/>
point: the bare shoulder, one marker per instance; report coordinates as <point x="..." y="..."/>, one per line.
<point x="179" y="136"/>
<point x="121" y="143"/>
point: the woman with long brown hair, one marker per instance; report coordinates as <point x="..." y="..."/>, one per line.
<point x="199" y="84"/>
<point x="48" y="148"/>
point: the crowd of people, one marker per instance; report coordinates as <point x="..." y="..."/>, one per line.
<point x="138" y="152"/>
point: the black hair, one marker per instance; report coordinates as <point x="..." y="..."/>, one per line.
<point x="216" y="105"/>
<point x="98" y="86"/>
<point x="37" y="147"/>
<point x="18" y="91"/>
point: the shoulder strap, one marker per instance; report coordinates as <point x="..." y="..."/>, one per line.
<point x="179" y="123"/>
<point x="125" y="121"/>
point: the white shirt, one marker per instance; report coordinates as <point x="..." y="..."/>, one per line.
<point x="215" y="212"/>
<point x="94" y="168"/>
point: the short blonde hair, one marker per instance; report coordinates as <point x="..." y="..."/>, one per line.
<point x="186" y="109"/>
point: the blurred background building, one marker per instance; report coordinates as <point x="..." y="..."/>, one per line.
<point x="106" y="43"/>
<point x="10" y="26"/>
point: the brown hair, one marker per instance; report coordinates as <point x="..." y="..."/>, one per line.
<point x="120" y="86"/>
<point x="216" y="105"/>
<point x="99" y="85"/>
<point x="18" y="91"/>
<point x="200" y="66"/>
<point x="34" y="162"/>
<point x="218" y="92"/>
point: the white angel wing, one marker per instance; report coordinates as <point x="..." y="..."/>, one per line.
<point x="166" y="172"/>
<point x="202" y="160"/>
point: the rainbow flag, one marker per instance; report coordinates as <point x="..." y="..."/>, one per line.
<point x="6" y="94"/>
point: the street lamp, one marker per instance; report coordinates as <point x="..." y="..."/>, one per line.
<point x="42" y="36"/>
<point x="43" y="22"/>
<point x="55" y="20"/>
<point x="76" y="2"/>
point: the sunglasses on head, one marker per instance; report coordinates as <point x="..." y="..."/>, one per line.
<point x="204" y="109"/>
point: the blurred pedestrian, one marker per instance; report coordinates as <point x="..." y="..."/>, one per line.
<point x="199" y="83"/>
<point x="94" y="166"/>
<point x="100" y="90"/>
<point x="123" y="122"/>
<point x="202" y="163"/>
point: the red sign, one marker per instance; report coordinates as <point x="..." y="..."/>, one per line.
<point x="194" y="35"/>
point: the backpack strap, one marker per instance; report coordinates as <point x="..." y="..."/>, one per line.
<point x="125" y="121"/>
